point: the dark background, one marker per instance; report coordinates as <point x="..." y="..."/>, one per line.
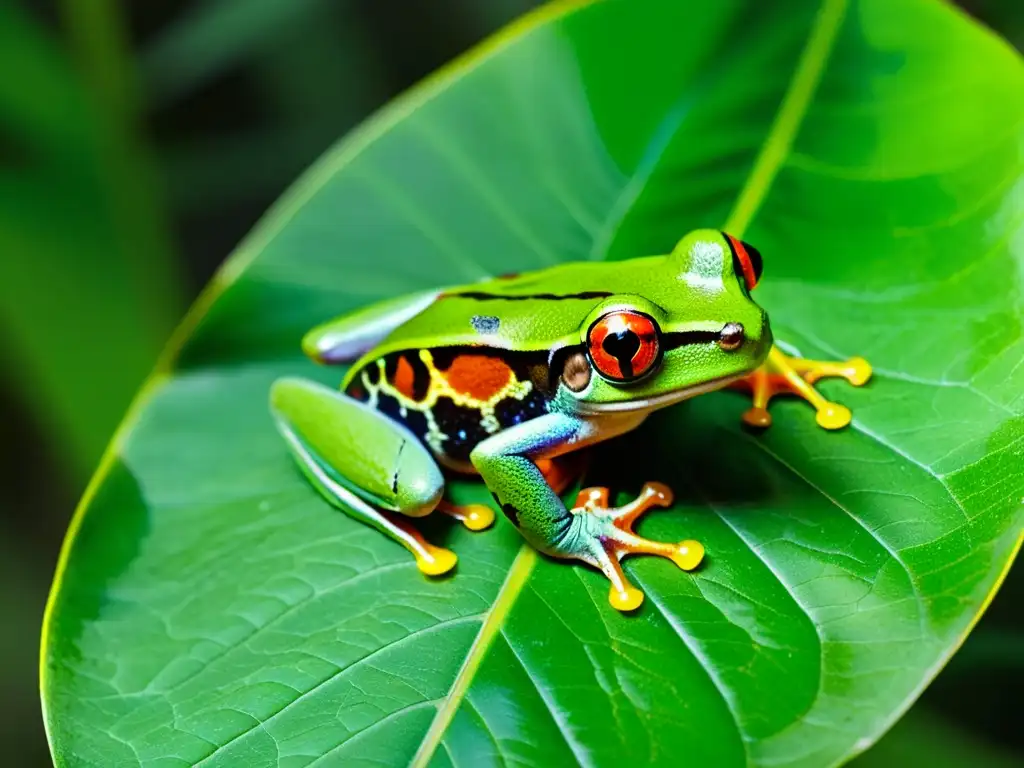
<point x="139" y="142"/>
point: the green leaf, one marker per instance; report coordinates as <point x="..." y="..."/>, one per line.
<point x="209" y="606"/>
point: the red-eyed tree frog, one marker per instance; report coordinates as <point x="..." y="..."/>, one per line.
<point x="509" y="377"/>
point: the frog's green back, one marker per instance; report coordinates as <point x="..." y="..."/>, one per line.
<point x="696" y="287"/>
<point x="532" y="311"/>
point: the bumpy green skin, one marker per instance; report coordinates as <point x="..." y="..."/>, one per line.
<point x="539" y="318"/>
<point x="694" y="288"/>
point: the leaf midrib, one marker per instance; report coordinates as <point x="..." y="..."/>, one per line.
<point x="515" y="580"/>
<point x="769" y="160"/>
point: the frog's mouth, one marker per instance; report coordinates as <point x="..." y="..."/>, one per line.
<point x="660" y="401"/>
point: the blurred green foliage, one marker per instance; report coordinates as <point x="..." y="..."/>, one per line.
<point x="88" y="284"/>
<point x="138" y="142"/>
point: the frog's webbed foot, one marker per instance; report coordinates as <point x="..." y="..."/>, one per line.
<point x="605" y="536"/>
<point x="783" y="374"/>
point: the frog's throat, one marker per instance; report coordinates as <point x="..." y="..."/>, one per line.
<point x="659" y="401"/>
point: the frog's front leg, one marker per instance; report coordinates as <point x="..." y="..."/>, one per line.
<point x="591" y="531"/>
<point x="362" y="462"/>
<point x="785" y="374"/>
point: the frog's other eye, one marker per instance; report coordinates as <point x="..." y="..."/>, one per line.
<point x="746" y="261"/>
<point x="623" y="345"/>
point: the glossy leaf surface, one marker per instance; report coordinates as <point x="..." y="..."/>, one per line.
<point x="211" y="607"/>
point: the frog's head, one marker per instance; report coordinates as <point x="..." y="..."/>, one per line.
<point x="694" y="329"/>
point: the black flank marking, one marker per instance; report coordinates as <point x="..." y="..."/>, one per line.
<point x="510" y="412"/>
<point x="482" y="296"/>
<point x="420" y="376"/>
<point x="511" y="513"/>
<point x="372" y="375"/>
<point x="416" y="421"/>
<point x="389" y="406"/>
<point x="372" y="372"/>
<point x="420" y="373"/>
<point x="445" y="356"/>
<point x="756" y="260"/>
<point x="356" y="391"/>
<point x="461" y="426"/>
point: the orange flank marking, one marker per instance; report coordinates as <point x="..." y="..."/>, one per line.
<point x="404" y="377"/>
<point x="478" y="376"/>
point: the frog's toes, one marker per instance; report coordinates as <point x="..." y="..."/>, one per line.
<point x="783" y="374"/>
<point x="625" y="597"/>
<point x="859" y="371"/>
<point x="757" y="416"/>
<point x="608" y="536"/>
<point x="616" y="544"/>
<point x="476" y="517"/>
<point x="435" y="561"/>
<point x="833" y="416"/>
<point x="856" y="370"/>
<point x="430" y="559"/>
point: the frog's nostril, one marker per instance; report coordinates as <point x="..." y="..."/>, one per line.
<point x="731" y="337"/>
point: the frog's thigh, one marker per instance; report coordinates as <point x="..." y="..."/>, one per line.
<point x="362" y="462"/>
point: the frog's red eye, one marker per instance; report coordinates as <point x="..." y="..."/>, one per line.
<point x="623" y="345"/>
<point x="746" y="261"/>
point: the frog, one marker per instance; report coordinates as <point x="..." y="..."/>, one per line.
<point x="511" y="378"/>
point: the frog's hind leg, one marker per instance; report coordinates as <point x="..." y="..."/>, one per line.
<point x="346" y="338"/>
<point x="362" y="462"/>
<point x="783" y="374"/>
<point x="560" y="473"/>
<point x="511" y="462"/>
